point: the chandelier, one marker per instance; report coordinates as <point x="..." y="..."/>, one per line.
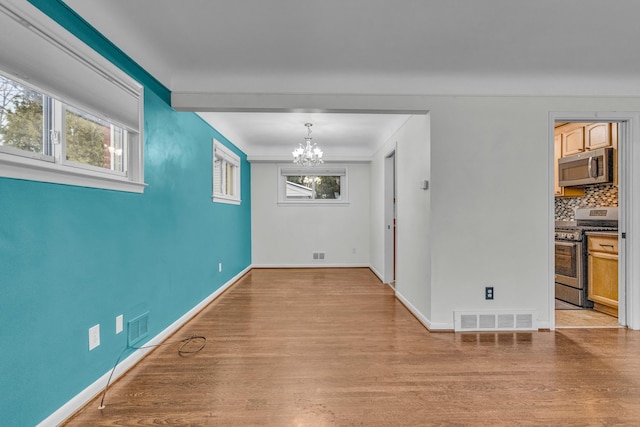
<point x="308" y="155"/>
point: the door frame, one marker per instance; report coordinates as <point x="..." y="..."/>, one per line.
<point x="628" y="181"/>
<point x="390" y="214"/>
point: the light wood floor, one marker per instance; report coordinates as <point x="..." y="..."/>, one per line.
<point x="327" y="347"/>
<point x="585" y="319"/>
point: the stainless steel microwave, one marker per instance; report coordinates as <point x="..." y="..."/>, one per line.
<point x="588" y="168"/>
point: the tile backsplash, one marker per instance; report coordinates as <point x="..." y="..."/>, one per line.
<point x="595" y="196"/>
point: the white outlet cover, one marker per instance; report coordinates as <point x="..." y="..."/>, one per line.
<point x="220" y="267"/>
<point x="94" y="337"/>
<point x="119" y="324"/>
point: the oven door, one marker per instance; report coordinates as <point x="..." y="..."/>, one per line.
<point x="569" y="275"/>
<point x="569" y="263"/>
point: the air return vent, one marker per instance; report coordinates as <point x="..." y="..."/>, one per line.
<point x="507" y="320"/>
<point x="138" y="328"/>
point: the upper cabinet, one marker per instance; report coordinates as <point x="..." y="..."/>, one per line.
<point x="572" y="141"/>
<point x="597" y="135"/>
<point x="574" y="138"/>
<point x="581" y="137"/>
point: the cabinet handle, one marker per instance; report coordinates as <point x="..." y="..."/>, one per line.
<point x="606" y="246"/>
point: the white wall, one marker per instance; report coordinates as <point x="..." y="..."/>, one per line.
<point x="288" y="235"/>
<point x="491" y="209"/>
<point x="487" y="218"/>
<point x="488" y="215"/>
<point x="413" y="269"/>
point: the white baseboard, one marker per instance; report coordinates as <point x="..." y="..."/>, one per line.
<point x="315" y="265"/>
<point x="81" y="399"/>
<point x="376" y="272"/>
<point x="432" y="326"/>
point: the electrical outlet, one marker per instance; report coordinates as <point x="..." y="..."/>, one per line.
<point x="94" y="337"/>
<point x="219" y="267"/>
<point x="119" y="324"/>
<point x="488" y="292"/>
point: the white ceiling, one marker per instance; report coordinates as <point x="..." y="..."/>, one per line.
<point x="365" y="47"/>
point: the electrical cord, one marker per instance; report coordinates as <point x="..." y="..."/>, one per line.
<point x="183" y="350"/>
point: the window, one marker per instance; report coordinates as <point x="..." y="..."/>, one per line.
<point x="226" y="175"/>
<point x="38" y="126"/>
<point x="67" y="115"/>
<point x="312" y="186"/>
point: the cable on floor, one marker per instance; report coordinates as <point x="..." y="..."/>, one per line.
<point x="188" y="346"/>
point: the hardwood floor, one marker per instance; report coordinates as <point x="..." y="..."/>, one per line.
<point x="333" y="347"/>
<point x="585" y="319"/>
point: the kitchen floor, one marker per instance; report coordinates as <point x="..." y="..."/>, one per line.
<point x="583" y="318"/>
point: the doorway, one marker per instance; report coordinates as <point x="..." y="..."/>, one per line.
<point x="581" y="138"/>
<point x="390" y="217"/>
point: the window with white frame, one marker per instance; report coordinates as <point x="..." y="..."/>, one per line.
<point x="327" y="185"/>
<point x="67" y="115"/>
<point x="38" y="126"/>
<point x="226" y="174"/>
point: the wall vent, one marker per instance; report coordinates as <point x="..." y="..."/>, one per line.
<point x="137" y="328"/>
<point x="504" y="320"/>
<point x="318" y="256"/>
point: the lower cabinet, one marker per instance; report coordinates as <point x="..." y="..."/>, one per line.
<point x="602" y="272"/>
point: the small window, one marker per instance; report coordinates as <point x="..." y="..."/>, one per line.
<point x="67" y="114"/>
<point x="37" y="126"/>
<point x="226" y="175"/>
<point x="312" y="185"/>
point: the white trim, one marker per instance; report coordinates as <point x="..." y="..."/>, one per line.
<point x="82" y="398"/>
<point x="320" y="264"/>
<point x="377" y="273"/>
<point x="310" y="203"/>
<point x="421" y="317"/>
<point x="20" y="167"/>
<point x="629" y="181"/>
<point x="287" y="170"/>
<point x="226" y="155"/>
<point x="390" y="177"/>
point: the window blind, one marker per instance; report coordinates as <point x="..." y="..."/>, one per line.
<point x="38" y="51"/>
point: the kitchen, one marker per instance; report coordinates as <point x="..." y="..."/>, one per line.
<point x="586" y="224"/>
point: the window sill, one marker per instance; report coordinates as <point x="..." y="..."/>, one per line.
<point x="227" y="200"/>
<point x="19" y="167"/>
<point x="298" y="203"/>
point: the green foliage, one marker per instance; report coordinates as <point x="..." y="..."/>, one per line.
<point x="327" y="187"/>
<point x="23" y="127"/>
<point x="85" y="141"/>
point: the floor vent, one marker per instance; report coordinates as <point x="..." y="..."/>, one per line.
<point x="507" y="320"/>
<point x="138" y="328"/>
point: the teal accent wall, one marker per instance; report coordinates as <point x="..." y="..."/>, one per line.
<point x="72" y="257"/>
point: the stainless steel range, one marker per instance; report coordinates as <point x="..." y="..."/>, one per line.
<point x="571" y="251"/>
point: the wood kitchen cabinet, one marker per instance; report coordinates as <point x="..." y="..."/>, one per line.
<point x="572" y="140"/>
<point x="597" y="135"/>
<point x="602" y="272"/>
<point x="581" y="137"/>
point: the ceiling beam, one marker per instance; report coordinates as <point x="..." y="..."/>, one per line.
<point x="298" y="103"/>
